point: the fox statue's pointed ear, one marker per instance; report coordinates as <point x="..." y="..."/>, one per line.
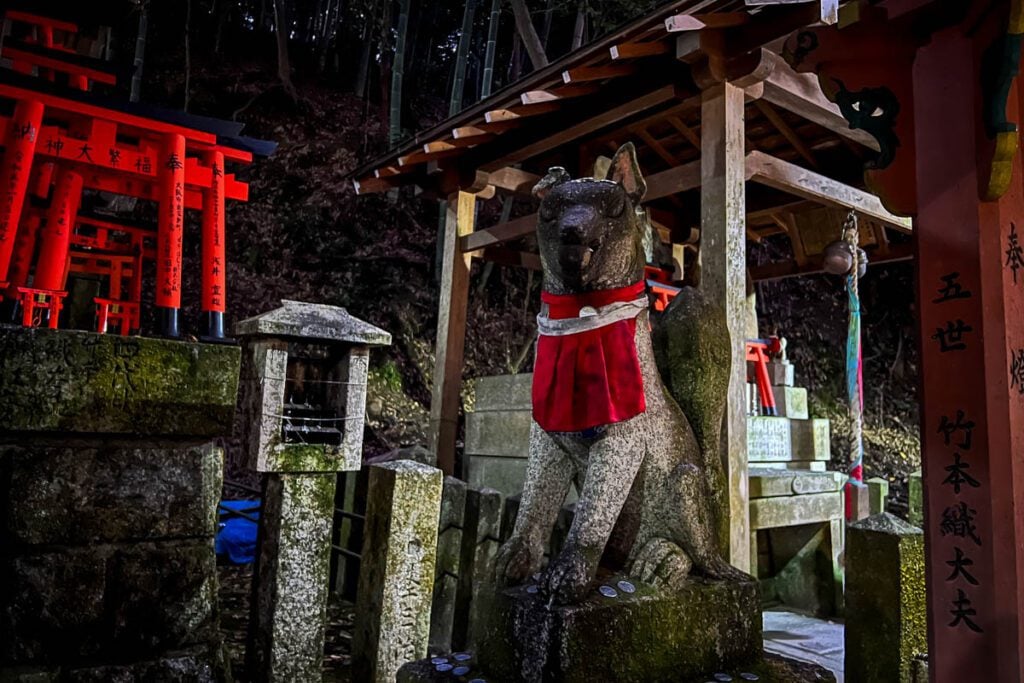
<point x="556" y="176"/>
<point x="625" y="170"/>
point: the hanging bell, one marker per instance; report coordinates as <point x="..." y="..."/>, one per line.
<point x="838" y="258"/>
<point x="862" y="262"/>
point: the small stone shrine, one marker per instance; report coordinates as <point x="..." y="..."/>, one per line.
<point x="303" y="400"/>
<point x="109" y="482"/>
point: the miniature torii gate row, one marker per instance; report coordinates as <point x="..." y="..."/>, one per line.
<point x="85" y="146"/>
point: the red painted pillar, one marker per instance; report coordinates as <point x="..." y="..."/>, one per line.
<point x="170" y="228"/>
<point x="21" y="261"/>
<point x="971" y="302"/>
<point x="55" y="236"/>
<point x="214" y="263"/>
<point x="19" y="149"/>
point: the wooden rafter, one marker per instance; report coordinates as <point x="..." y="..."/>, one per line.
<point x="637" y="50"/>
<point x="564" y="93"/>
<point x="782" y="175"/>
<point x="787" y="131"/>
<point x="585" y="74"/>
<point x="696" y="22"/>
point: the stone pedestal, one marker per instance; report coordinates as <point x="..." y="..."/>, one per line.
<point x="647" y="636"/>
<point x="885" y="598"/>
<point x="108" y="494"/>
<point x="396" y="579"/>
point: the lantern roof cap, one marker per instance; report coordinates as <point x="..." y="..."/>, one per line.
<point x="301" y="320"/>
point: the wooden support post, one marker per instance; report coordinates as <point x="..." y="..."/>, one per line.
<point x="451" y="330"/>
<point x="724" y="277"/>
<point x="214" y="263"/>
<point x="170" y="226"/>
<point x="19" y="149"/>
<point x="55" y="237"/>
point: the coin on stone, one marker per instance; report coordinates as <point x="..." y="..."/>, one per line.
<point x="460" y="671"/>
<point x="750" y="677"/>
<point x="626" y="587"/>
<point x="439" y="660"/>
<point x="531" y="589"/>
<point x="723" y="677"/>
<point x="443" y="667"/>
<point x="608" y="592"/>
<point x="463" y="656"/>
<point x="478" y="680"/>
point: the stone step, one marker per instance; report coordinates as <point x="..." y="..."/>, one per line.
<point x="504" y="392"/>
<point x="781" y="511"/>
<point x="781" y="439"/>
<point x="499" y="433"/>
<point x="768" y="483"/>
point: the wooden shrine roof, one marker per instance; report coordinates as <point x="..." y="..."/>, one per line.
<point x="639" y="84"/>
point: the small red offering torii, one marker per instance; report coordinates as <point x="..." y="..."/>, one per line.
<point x="62" y="139"/>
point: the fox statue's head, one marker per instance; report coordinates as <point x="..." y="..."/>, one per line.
<point x="590" y="232"/>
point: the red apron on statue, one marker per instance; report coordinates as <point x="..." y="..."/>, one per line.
<point x="587" y="372"/>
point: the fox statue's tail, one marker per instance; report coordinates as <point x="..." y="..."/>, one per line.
<point x="692" y="349"/>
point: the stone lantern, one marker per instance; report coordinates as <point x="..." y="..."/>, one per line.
<point x="303" y="397"/>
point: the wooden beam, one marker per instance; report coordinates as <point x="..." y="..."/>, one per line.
<point x="637" y="50"/>
<point x="787" y="131"/>
<point x="695" y="22"/>
<point x="684" y="130"/>
<point x="796" y="243"/>
<point x="513" y="179"/>
<point x="673" y="181"/>
<point x="372" y="185"/>
<point x="503" y="232"/>
<point x="585" y="74"/>
<point x="456" y="143"/>
<point x="723" y="279"/>
<point x="451" y="331"/>
<point x="787" y="177"/>
<point x="520" y="111"/>
<point x="802" y="95"/>
<point x="420" y="157"/>
<point x="655" y="145"/>
<point x="565" y="93"/>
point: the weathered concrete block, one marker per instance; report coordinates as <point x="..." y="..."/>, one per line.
<point x="116" y="491"/>
<point x="499" y="433"/>
<point x="73" y="381"/>
<point x="878" y="494"/>
<point x="915" y="495"/>
<point x="398" y="564"/>
<point x="808" y="574"/>
<point x="807" y="465"/>
<point x="767" y="483"/>
<point x="504" y="392"/>
<point x="781" y="438"/>
<point x="289" y="611"/>
<point x="858" y="501"/>
<point x="480" y="534"/>
<point x="107" y="601"/>
<point x="791" y="402"/>
<point x="780" y="373"/>
<point x="885" y="598"/>
<point x="504" y="474"/>
<point x="780" y="511"/>
<point x="646" y="636"/>
<point x="448" y="571"/>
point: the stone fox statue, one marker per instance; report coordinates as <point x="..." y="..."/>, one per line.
<point x="603" y="417"/>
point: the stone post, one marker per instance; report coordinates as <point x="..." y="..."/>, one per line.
<point x="320" y="353"/>
<point x="109" y="485"/>
<point x="396" y="581"/>
<point x="885" y="599"/>
<point x="480" y="542"/>
<point x="446" y="576"/>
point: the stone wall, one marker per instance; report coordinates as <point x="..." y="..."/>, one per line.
<point x="108" y="492"/>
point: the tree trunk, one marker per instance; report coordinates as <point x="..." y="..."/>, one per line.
<point x="545" y="32"/>
<point x="140" y="52"/>
<point x="362" y="76"/>
<point x="461" y="58"/>
<point x="528" y="33"/>
<point x="581" y="26"/>
<point x="397" y="72"/>
<point x="284" y="67"/>
<point x="492" y="46"/>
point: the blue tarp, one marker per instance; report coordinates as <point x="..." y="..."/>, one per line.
<point x="236" y="537"/>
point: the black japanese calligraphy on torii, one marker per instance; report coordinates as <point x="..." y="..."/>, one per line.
<point x="948" y="427"/>
<point x="951" y="337"/>
<point x="958" y="521"/>
<point x="952" y="289"/>
<point x="958" y="476"/>
<point x="1014" y="252"/>
<point x="962" y="613"/>
<point x="1017" y="371"/>
<point x="959" y="564"/>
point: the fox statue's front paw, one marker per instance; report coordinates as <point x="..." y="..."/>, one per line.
<point x="516" y="560"/>
<point x="567" y="579"/>
<point x="661" y="563"/>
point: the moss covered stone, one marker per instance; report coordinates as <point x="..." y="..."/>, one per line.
<point x="885" y="599"/>
<point x="73" y="381"/>
<point x="647" y="636"/>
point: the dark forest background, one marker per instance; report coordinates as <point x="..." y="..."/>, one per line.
<point x="319" y="78"/>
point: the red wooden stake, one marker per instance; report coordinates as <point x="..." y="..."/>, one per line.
<point x="214" y="289"/>
<point x="19" y="149"/>
<point x="170" y="227"/>
<point x="55" y="237"/>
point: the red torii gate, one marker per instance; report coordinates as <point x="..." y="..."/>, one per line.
<point x="937" y="85"/>
<point x="85" y="146"/>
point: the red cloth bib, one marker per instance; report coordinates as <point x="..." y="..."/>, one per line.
<point x="589" y="378"/>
